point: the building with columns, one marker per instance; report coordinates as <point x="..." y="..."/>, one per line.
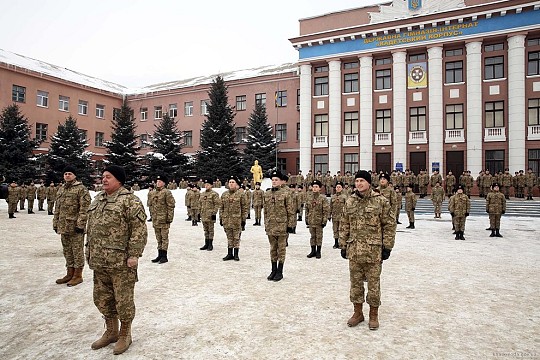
<point x="421" y="84"/>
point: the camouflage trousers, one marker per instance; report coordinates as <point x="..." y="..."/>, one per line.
<point x="208" y="227"/>
<point x="495" y="221"/>
<point x="233" y="237"/>
<point x="520" y="190"/>
<point x="422" y="190"/>
<point x="316" y="232"/>
<point x="335" y="228"/>
<point x="30" y="204"/>
<point x="410" y="215"/>
<point x="449" y="190"/>
<point x="370" y="271"/>
<point x="506" y="191"/>
<point x="459" y="223"/>
<point x="40" y="203"/>
<point x="258" y="210"/>
<point x="437" y="205"/>
<point x="21" y="204"/>
<point x="50" y="205"/>
<point x="195" y="213"/>
<point x="113" y="292"/>
<point x="12" y="207"/>
<point x="529" y="190"/>
<point x="278" y="247"/>
<point x="73" y="247"/>
<point x="162" y="236"/>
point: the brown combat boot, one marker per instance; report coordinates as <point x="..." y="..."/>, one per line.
<point x="68" y="276"/>
<point x="124" y="338"/>
<point x="109" y="336"/>
<point x="373" y="318"/>
<point x="357" y="317"/>
<point x="77" y="277"/>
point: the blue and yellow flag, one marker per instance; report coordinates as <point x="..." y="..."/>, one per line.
<point x="417" y="75"/>
<point x="415" y="4"/>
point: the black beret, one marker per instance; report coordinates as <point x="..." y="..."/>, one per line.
<point x="118" y="172"/>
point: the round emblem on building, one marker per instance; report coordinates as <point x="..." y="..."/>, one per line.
<point x="417" y="73"/>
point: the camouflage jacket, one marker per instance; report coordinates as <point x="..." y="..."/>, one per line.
<point x="506" y="180"/>
<point x="13" y="194"/>
<point x="459" y="204"/>
<point x="437" y="194"/>
<point x="317" y="209"/>
<point x="70" y="210"/>
<point x="410" y="201"/>
<point x="42" y="192"/>
<point x="366" y="226"/>
<point x="163" y="204"/>
<point x="209" y="200"/>
<point x="434" y="179"/>
<point x="450" y="180"/>
<point x="195" y="200"/>
<point x="337" y="201"/>
<point x="495" y="203"/>
<point x="530" y="179"/>
<point x="116" y="229"/>
<point x="279" y="211"/>
<point x="31" y="191"/>
<point x="258" y="197"/>
<point x="390" y="194"/>
<point x="233" y="209"/>
<point x="51" y="193"/>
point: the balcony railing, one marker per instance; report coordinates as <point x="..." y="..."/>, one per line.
<point x="455" y="136"/>
<point x="495" y="134"/>
<point x="533" y="132"/>
<point x="383" y="138"/>
<point x="417" y="137"/>
<point x="350" y="140"/>
<point x="320" y="141"/>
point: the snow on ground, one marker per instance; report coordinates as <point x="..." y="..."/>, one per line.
<point x="441" y="298"/>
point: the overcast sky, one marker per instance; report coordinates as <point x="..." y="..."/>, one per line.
<point x="136" y="43"/>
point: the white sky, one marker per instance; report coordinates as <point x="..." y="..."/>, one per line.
<point x="137" y="43"/>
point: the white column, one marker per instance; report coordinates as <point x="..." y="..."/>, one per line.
<point x="334" y="116"/>
<point x="305" y="118"/>
<point x="436" y="129"/>
<point x="399" y="113"/>
<point x="474" y="107"/>
<point x="516" y="103"/>
<point x="366" y="113"/>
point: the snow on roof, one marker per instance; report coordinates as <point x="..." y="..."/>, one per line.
<point x="39" y="66"/>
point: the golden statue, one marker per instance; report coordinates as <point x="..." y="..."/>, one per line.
<point x="257" y="172"/>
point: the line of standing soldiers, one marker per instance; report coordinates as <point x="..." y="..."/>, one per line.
<point x="18" y="195"/>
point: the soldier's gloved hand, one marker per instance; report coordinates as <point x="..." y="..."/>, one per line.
<point x="189" y="207"/>
<point x="243" y="225"/>
<point x="79" y="231"/>
<point x="452" y="214"/>
<point x="386" y="253"/>
<point x="168" y="221"/>
<point x="413" y="209"/>
<point x="466" y="214"/>
<point x="220" y="222"/>
<point x="323" y="224"/>
<point x="344" y="253"/>
<point x="55" y="230"/>
<point x="289" y="230"/>
<point x="487" y="211"/>
<point x="213" y="217"/>
<point x="329" y="219"/>
<point x="503" y="212"/>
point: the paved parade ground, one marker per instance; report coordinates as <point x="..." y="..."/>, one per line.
<point x="441" y="298"/>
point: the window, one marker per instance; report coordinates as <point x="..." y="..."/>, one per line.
<point x="41" y="132"/>
<point x="281" y="132"/>
<point x="534" y="112"/>
<point x="494" y="114"/>
<point x="321" y="163"/>
<point x="533" y="65"/>
<point x="417" y="118"/>
<point x="321" y="86"/>
<point x="100" y="137"/>
<point x="454" y="72"/>
<point x="42" y="98"/>
<point x="351" y="123"/>
<point x="188" y="108"/>
<point x="494" y="47"/>
<point x="204" y="106"/>
<point x="100" y="111"/>
<point x="495" y="161"/>
<point x="350" y="65"/>
<point x="83" y="107"/>
<point x="116" y="112"/>
<point x="417" y="57"/>
<point x="241" y="135"/>
<point x="454" y="52"/>
<point x="319" y="69"/>
<point x="533" y="42"/>
<point x="143" y="139"/>
<point x="383" y="121"/>
<point x="281" y="98"/>
<point x="84" y="134"/>
<point x="260" y="99"/>
<point x="297" y="131"/>
<point x="494" y="67"/>
<point x="158" y="112"/>
<point x="383" y="79"/>
<point x="384" y="61"/>
<point x="173" y="110"/>
<point x="18" y="94"/>
<point x="282" y="165"/>
<point x="63" y="103"/>
<point x="534" y="161"/>
<point x="144" y="114"/>
<point x="188" y="138"/>
<point x="321" y="125"/>
<point x="241" y="103"/>
<point x="298" y="98"/>
<point x="454" y="116"/>
<point x="351" y="83"/>
<point x="351" y="163"/>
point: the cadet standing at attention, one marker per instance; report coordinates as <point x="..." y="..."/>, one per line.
<point x="459" y="207"/>
<point x="163" y="204"/>
<point x="337" y="201"/>
<point x="317" y="213"/>
<point x="495" y="207"/>
<point x="209" y="200"/>
<point x="258" y="203"/>
<point x="232" y="216"/>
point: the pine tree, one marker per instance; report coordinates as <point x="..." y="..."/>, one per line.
<point x="17" y="161"/>
<point x="68" y="148"/>
<point x="261" y="144"/>
<point x="219" y="155"/>
<point x="123" y="148"/>
<point x="167" y="157"/>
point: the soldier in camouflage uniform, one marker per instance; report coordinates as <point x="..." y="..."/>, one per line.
<point x="210" y="203"/>
<point x="437" y="198"/>
<point x="12" y="199"/>
<point x="136" y="187"/>
<point x="388" y="192"/>
<point x="294" y="199"/>
<point x="479" y="183"/>
<point x="399" y="203"/>
<point x="150" y="200"/>
<point x="520" y="183"/>
<point x="163" y="205"/>
<point x="41" y="196"/>
<point x="195" y="205"/>
<point x="529" y="182"/>
<point x="300" y="201"/>
<point x="410" y="206"/>
<point x="317" y="213"/>
<point x="423" y="181"/>
<point x="337" y="201"/>
<point x="258" y="201"/>
<point x="450" y="183"/>
<point x="487" y="181"/>
<point x="435" y="178"/>
<point x="70" y="215"/>
<point x="495" y="207"/>
<point x="366" y="237"/>
<point x="51" y="198"/>
<point x="22" y="196"/>
<point x="506" y="183"/>
<point x="117" y="236"/>
<point x="187" y="201"/>
<point x="31" y="191"/>
<point x="232" y="216"/>
<point x="279" y="220"/>
<point x="459" y="207"/>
